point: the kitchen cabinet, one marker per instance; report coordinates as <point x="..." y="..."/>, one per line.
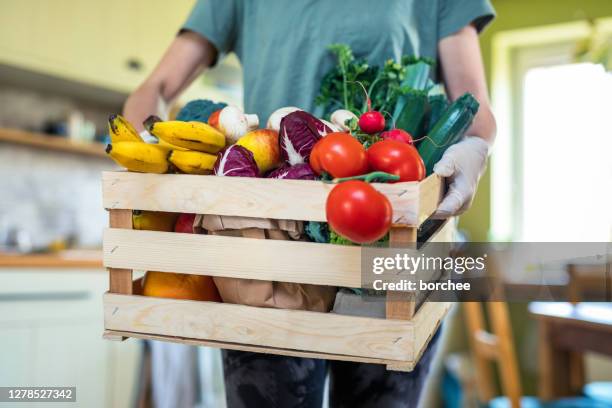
<point x="112" y="44"/>
<point x="51" y="323"/>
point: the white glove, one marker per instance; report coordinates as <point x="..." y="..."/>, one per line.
<point x="463" y="163"/>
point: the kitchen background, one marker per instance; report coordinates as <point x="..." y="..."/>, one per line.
<point x="66" y="64"/>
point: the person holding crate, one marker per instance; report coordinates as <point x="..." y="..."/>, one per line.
<point x="282" y="46"/>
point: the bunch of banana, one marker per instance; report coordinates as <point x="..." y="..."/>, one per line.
<point x="140" y="157"/>
<point x="153" y="220"/>
<point x="167" y="145"/>
<point x="120" y="130"/>
<point x="176" y="138"/>
<point x="192" y="162"/>
<point x="189" y="135"/>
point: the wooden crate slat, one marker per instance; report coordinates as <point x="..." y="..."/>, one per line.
<point x="431" y="192"/>
<point x="236" y="257"/>
<point x="426" y="321"/>
<point x="264" y="198"/>
<point x="397" y="365"/>
<point x="279" y="328"/>
<point x="435" y="311"/>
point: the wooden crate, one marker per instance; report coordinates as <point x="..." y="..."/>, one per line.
<point x="397" y="341"/>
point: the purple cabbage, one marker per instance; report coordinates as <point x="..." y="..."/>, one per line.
<point x="301" y="171"/>
<point x="236" y="161"/>
<point x="299" y="131"/>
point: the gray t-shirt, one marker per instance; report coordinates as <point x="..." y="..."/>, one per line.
<point x="282" y="44"/>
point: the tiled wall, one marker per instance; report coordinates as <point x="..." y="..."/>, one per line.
<point x="48" y="194"/>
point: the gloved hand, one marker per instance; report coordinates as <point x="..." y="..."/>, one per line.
<point x="463" y="163"/>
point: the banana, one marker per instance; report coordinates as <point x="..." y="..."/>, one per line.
<point x="153" y="220"/>
<point x="121" y="130"/>
<point x="140" y="157"/>
<point x="189" y="135"/>
<point x="163" y="143"/>
<point x="192" y="162"/>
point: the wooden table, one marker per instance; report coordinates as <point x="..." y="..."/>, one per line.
<point x="564" y="330"/>
<point x="78" y="259"/>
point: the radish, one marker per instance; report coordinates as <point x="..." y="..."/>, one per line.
<point x="397" y="134"/>
<point x="371" y="121"/>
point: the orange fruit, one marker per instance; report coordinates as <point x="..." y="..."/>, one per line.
<point x="180" y="286"/>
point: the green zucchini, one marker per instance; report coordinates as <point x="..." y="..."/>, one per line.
<point x="438" y="104"/>
<point x="413" y="117"/>
<point x="449" y="129"/>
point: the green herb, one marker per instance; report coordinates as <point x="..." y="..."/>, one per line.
<point x="385" y="84"/>
<point x="367" y="140"/>
<point x="338" y="240"/>
<point x="334" y="238"/>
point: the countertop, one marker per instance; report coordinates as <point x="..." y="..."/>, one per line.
<point x="65" y="259"/>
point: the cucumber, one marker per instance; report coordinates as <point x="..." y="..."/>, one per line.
<point x="438" y="104"/>
<point x="413" y="117"/>
<point x="449" y="129"/>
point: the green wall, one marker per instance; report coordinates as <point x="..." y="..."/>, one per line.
<point x="513" y="14"/>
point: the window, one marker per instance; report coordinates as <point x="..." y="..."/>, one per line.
<point x="552" y="167"/>
<point x="566" y="154"/>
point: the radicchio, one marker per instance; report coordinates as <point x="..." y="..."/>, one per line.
<point x="301" y="171"/>
<point x="236" y="161"/>
<point x="299" y="131"/>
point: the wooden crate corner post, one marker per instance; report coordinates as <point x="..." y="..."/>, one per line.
<point x="120" y="279"/>
<point x="401" y="305"/>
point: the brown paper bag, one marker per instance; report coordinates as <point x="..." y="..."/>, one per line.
<point x="252" y="292"/>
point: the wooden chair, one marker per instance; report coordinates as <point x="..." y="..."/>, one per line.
<point x="493" y="346"/>
<point x="496" y="346"/>
<point x="587" y="282"/>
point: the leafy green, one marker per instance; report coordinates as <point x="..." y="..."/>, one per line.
<point x="341" y="86"/>
<point x="336" y="239"/>
<point x="416" y="77"/>
<point x="366" y="140"/>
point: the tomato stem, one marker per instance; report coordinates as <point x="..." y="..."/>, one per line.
<point x="380" y="176"/>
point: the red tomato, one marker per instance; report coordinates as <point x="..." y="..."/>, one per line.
<point x="372" y="122"/>
<point x="357" y="211"/>
<point x="397" y="158"/>
<point x="340" y="155"/>
<point x="397" y="134"/>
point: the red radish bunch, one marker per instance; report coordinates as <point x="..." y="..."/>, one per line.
<point x="397" y="134"/>
<point x="371" y="121"/>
